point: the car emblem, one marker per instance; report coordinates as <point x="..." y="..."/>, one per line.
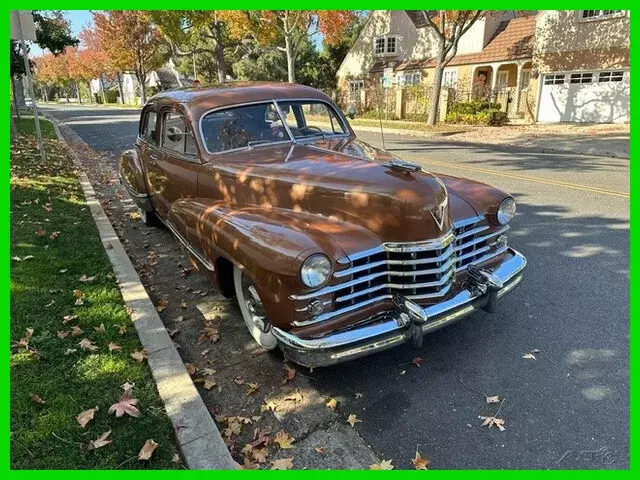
<point x="439" y="214"/>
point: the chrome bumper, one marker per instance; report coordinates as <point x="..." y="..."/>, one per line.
<point x="394" y="329"/>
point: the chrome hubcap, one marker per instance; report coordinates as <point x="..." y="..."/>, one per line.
<point x="254" y="306"/>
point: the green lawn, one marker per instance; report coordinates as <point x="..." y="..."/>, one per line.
<point x="47" y="198"/>
<point x="27" y="125"/>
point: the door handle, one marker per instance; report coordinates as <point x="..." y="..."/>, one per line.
<point x="153" y="158"/>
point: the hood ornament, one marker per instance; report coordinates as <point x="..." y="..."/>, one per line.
<point x="402" y="166"/>
<point x="439" y="214"/>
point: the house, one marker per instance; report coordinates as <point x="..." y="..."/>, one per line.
<point x="582" y="57"/>
<point x="497" y="60"/>
<point x="164" y="78"/>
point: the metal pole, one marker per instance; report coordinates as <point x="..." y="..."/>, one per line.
<point x="27" y="68"/>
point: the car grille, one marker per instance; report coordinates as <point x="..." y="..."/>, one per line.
<point x="417" y="270"/>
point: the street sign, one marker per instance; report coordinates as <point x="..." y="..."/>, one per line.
<point x="26" y="22"/>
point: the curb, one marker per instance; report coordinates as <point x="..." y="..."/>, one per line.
<point x="198" y="437"/>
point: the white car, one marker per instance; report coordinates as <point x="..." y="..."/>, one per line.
<point x="28" y="102"/>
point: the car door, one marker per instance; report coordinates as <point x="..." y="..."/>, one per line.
<point x="172" y="169"/>
<point x="147" y="142"/>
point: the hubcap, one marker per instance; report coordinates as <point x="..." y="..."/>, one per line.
<point x="254" y="306"/>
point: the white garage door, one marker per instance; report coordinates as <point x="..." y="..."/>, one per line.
<point x="587" y="96"/>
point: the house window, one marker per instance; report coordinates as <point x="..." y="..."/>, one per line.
<point x="449" y="78"/>
<point x="503" y="79"/>
<point x="610" y="76"/>
<point x="588" y="14"/>
<point x="385" y="45"/>
<point x="391" y="44"/>
<point x="379" y="46"/>
<point x="356" y="85"/>
<point x="554" y="79"/>
<point x="581" y="78"/>
<point x="526" y="79"/>
<point x="409" y="78"/>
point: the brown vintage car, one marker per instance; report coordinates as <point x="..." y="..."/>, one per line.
<point x="335" y="249"/>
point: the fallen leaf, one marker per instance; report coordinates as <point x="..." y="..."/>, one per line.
<point x="101" y="441"/>
<point x="417" y="361"/>
<point x="54" y="235"/>
<point x="529" y="356"/>
<point x="51" y="303"/>
<point x="352" y="420"/>
<point x="79" y="302"/>
<point x="211" y="334"/>
<point x="332" y="404"/>
<point x="238" y="381"/>
<point x="126" y="405"/>
<point x="85" y="417"/>
<point x="284" y="440"/>
<point x="128" y="388"/>
<point x="253" y="388"/>
<point x="147" y="450"/>
<point x="282" y="464"/>
<point x="358" y="395"/>
<point x="209" y="384"/>
<point x="37" y="400"/>
<point x="184" y="304"/>
<point x="122" y="329"/>
<point x="139" y="355"/>
<point x="114" y="347"/>
<point x="383" y="465"/>
<point x="68" y="318"/>
<point x="493" y="422"/>
<point x="260" y="455"/>
<point x="294" y="397"/>
<point x="176" y="458"/>
<point x="76" y="330"/>
<point x="420" y="463"/>
<point x="84" y="278"/>
<point x="289" y="373"/>
<point x="268" y="407"/>
<point x="162" y="304"/>
<point x="249" y="465"/>
<point x="40" y="232"/>
<point x="63" y="334"/>
<point x="174" y="332"/>
<point x="494" y="399"/>
<point x="321" y="450"/>
<point x="78" y="293"/>
<point x="70" y="351"/>
<point x="191" y="369"/>
<point x="87" y="344"/>
<point x="100" y="329"/>
<point x="535" y="350"/>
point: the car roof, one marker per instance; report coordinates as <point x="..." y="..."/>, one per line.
<point x="200" y="100"/>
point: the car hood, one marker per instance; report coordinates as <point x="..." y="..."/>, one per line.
<point x="345" y="180"/>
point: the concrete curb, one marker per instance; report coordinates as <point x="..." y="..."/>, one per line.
<point x="198" y="436"/>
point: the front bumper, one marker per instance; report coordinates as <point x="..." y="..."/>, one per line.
<point x="393" y="329"/>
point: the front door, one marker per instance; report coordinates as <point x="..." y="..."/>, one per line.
<point x="173" y="167"/>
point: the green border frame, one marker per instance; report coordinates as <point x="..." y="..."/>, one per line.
<point x="260" y="5"/>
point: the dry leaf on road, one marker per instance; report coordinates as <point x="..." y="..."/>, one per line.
<point x="253" y="388"/>
<point x="147" y="450"/>
<point x="284" y="440"/>
<point x="417" y="361"/>
<point x="332" y="404"/>
<point x="493" y="422"/>
<point x="282" y="464"/>
<point x="352" y="420"/>
<point x="321" y="450"/>
<point x="86" y="416"/>
<point x="494" y="399"/>
<point x="529" y="356"/>
<point x="209" y="384"/>
<point x="290" y="374"/>
<point x="383" y="465"/>
<point x="162" y="304"/>
<point x="420" y="463"/>
<point x="295" y="397"/>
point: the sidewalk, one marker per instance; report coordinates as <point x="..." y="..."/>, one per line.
<point x="608" y="140"/>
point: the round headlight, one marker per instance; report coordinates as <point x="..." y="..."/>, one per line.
<point x="315" y="270"/>
<point x="506" y="211"/>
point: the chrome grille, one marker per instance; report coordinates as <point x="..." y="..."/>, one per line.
<point x="417" y="270"/>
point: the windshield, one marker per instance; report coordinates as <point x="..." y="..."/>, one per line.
<point x="251" y="125"/>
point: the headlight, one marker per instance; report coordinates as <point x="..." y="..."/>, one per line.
<point x="315" y="270"/>
<point x="506" y="211"/>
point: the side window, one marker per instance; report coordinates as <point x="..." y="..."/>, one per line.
<point x="149" y="132"/>
<point x="176" y="135"/>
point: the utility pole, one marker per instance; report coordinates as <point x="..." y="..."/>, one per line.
<point x="25" y="56"/>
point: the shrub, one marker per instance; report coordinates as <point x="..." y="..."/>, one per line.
<point x="492" y="117"/>
<point x="471" y="108"/>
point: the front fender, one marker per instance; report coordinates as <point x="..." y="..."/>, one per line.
<point x="270" y="244"/>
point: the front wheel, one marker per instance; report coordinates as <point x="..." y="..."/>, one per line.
<point x="252" y="309"/>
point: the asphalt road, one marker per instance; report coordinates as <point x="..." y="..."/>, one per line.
<point x="568" y="408"/>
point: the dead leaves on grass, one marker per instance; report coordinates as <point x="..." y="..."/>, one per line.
<point x="139" y="355"/>
<point x="100" y="442"/>
<point x="125" y="406"/>
<point x="147" y="450"/>
<point x="85" y="417"/>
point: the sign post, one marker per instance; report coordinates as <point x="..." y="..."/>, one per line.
<point x="18" y="33"/>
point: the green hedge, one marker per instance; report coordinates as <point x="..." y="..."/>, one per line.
<point x="476" y="113"/>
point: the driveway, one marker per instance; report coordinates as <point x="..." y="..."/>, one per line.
<point x="568" y="407"/>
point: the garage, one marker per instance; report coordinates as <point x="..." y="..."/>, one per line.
<point x="586" y="96"/>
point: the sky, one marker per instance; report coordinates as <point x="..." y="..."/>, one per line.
<point x="78" y="19"/>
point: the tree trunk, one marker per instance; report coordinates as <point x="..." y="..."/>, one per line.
<point x="78" y="92"/>
<point x="221" y="64"/>
<point x="104" y="95"/>
<point x="15" y="97"/>
<point x="142" y="78"/>
<point x="120" y="88"/>
<point x="435" y="94"/>
<point x="291" y="60"/>
<point x="19" y="92"/>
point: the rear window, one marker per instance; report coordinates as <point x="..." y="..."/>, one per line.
<point x="241" y="127"/>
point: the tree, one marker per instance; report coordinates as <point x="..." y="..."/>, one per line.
<point x="449" y="26"/>
<point x="95" y="59"/>
<point x="132" y="42"/>
<point x="289" y="28"/>
<point x="211" y="33"/>
<point x="53" y="33"/>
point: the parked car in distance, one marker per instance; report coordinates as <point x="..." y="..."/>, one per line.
<point x="28" y="102"/>
<point x="334" y="249"/>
